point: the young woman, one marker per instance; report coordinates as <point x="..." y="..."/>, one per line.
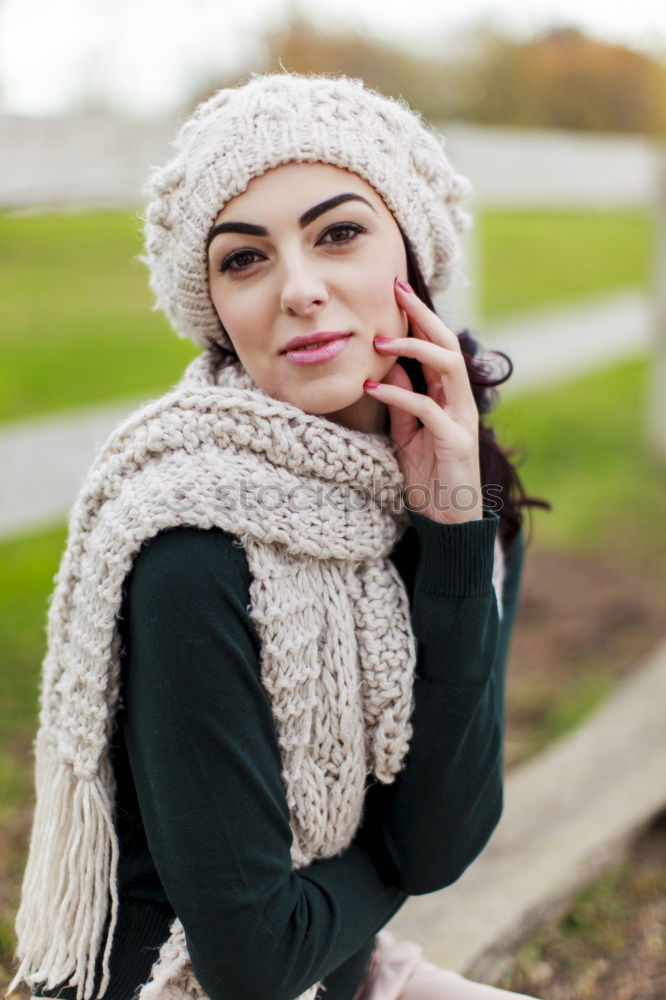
<point x="272" y="700"/>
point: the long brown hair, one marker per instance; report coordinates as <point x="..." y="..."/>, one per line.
<point x="498" y="472"/>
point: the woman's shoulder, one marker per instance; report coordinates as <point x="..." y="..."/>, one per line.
<point x="189" y="541"/>
<point x="187" y="561"/>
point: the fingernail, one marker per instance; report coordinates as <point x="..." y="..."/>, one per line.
<point x="369" y="384"/>
<point x="383" y="340"/>
<point x="402" y="284"/>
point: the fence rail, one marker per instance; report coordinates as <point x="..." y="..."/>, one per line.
<point x="75" y="160"/>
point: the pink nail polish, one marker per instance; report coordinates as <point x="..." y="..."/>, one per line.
<point x="384" y="340"/>
<point x="402" y="284"/>
<point x="369" y="384"/>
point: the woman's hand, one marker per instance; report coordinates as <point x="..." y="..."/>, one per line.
<point x="439" y="461"/>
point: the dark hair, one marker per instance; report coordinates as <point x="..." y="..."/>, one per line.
<point x="497" y="469"/>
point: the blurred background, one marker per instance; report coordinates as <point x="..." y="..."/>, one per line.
<point x="557" y="114"/>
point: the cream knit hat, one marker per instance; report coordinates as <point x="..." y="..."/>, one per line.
<point x="241" y="132"/>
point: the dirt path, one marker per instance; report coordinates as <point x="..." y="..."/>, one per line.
<point x="583" y="621"/>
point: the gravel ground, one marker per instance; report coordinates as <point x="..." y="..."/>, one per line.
<point x="611" y="943"/>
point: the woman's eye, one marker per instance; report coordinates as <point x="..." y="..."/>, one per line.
<point x="235" y="258"/>
<point x="344" y="229"/>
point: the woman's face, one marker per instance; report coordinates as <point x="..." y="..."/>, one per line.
<point x="289" y="263"/>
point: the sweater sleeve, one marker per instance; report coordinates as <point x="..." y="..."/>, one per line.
<point x="435" y="818"/>
<point x="205" y="761"/>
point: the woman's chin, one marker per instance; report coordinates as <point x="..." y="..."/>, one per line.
<point x="320" y="392"/>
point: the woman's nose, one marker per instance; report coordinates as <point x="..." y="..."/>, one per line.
<point x="303" y="289"/>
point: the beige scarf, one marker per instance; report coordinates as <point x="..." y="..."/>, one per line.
<point x="318" y="508"/>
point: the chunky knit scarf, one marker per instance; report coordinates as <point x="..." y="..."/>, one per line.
<point x="318" y="508"/>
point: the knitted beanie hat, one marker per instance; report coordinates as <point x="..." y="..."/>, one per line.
<point x="241" y="132"/>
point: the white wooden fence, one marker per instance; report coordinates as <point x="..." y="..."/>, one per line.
<point x="71" y="161"/>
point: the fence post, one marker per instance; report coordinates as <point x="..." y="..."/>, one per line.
<point x="656" y="403"/>
<point x="459" y="306"/>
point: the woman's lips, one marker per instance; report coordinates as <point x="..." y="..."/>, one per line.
<point x="313" y="355"/>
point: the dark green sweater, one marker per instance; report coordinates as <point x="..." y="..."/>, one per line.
<point x="202" y="818"/>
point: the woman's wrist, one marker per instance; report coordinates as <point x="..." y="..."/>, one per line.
<point x="455" y="504"/>
<point x="456" y="560"/>
<point x="455" y="516"/>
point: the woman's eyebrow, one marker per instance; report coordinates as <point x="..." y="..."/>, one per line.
<point x="248" y="229"/>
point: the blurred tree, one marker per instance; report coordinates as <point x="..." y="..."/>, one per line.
<point x="564" y="79"/>
<point x="300" y="46"/>
<point x="560" y="79"/>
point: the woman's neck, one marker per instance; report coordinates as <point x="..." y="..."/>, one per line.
<point x="366" y="414"/>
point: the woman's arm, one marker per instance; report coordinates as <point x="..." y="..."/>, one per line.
<point x="436" y="817"/>
<point x="188" y="618"/>
<point x="206" y="765"/>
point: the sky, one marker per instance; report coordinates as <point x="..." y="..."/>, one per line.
<point x="143" y="58"/>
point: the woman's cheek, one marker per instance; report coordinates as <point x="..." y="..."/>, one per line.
<point x="397" y="320"/>
<point x="383" y="314"/>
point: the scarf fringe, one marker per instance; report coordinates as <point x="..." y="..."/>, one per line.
<point x="171" y="967"/>
<point x="70" y="872"/>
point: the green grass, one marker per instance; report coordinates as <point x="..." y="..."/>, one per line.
<point x="555" y="711"/>
<point x="29" y="565"/>
<point x="78" y="327"/>
<point x="592" y="928"/>
<point x="584" y="449"/>
<point x="530" y="259"/>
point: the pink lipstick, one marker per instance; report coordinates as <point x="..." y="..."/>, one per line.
<point x="324" y="350"/>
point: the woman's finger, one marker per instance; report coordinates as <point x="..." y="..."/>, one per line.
<point x="455" y="391"/>
<point x="423" y="321"/>
<point x="432" y="416"/>
<point x="427" y="327"/>
<point x="404" y="424"/>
